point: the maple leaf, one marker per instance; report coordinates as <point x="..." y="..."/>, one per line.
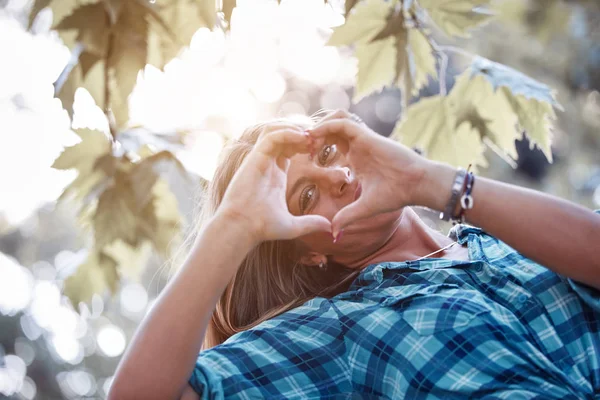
<point x="177" y="22"/>
<point x="476" y="102"/>
<point x="92" y="26"/>
<point x="97" y="274"/>
<point x="115" y="216"/>
<point x="457" y="17"/>
<point x="367" y="20"/>
<point x="376" y="68"/>
<point x="430" y="125"/>
<point x="531" y="101"/>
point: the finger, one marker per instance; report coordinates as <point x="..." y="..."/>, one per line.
<point x="284" y="142"/>
<point x="351" y="213"/>
<point x="306" y="224"/>
<point x="343" y="127"/>
<point x="336" y="114"/>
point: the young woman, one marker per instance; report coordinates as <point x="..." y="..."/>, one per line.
<point x="310" y="277"/>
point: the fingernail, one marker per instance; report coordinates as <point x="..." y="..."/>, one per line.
<point x="338" y="236"/>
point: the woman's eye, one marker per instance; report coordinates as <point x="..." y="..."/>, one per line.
<point x="306" y="198"/>
<point x="327" y="153"/>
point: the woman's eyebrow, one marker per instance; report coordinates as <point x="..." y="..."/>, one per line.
<point x="295" y="187"/>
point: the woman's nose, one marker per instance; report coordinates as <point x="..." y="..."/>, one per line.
<point x="338" y="179"/>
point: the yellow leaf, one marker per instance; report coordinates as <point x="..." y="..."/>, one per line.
<point x="367" y="20"/>
<point x="83" y="154"/>
<point x="511" y="11"/>
<point x="531" y="101"/>
<point x="554" y="20"/>
<point x="456" y="17"/>
<point x="160" y="221"/>
<point x="183" y="18"/>
<point x="535" y="118"/>
<point x="97" y="274"/>
<point x="115" y="215"/>
<point x="68" y="89"/>
<point x="376" y="66"/>
<point x="86" y="181"/>
<point x="87" y="61"/>
<point x="166" y="204"/>
<point x="228" y="6"/>
<point x="489" y="112"/>
<point x="131" y="260"/>
<point x="421" y="53"/>
<point x="91" y="23"/>
<point x="349" y="5"/>
<point x="430" y="126"/>
<point x="128" y="56"/>
<point x="60" y="8"/>
<point x="38" y="5"/>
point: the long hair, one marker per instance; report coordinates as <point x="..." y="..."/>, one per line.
<point x="270" y="280"/>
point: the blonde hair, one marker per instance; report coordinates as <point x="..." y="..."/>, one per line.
<point x="270" y="280"/>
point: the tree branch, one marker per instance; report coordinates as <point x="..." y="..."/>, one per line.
<point x="107" y="111"/>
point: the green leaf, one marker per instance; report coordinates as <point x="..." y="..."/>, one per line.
<point x="367" y="20"/>
<point x="376" y="66"/>
<point x="457" y="17"/>
<point x="92" y="26"/>
<point x="430" y="125"/>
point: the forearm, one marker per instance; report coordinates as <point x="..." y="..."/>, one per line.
<point x="161" y="357"/>
<point x="556" y="233"/>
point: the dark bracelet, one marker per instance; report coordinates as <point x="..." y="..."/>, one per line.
<point x="466" y="200"/>
<point x="457" y="186"/>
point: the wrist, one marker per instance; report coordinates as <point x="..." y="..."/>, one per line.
<point x="232" y="225"/>
<point x="436" y="186"/>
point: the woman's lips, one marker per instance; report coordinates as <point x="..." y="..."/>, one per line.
<point x="358" y="191"/>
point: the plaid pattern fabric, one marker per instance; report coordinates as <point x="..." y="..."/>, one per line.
<point x="497" y="327"/>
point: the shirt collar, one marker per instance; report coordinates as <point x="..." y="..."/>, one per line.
<point x="374" y="272"/>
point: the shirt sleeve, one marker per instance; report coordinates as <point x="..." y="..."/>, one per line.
<point x="588" y="294"/>
<point x="299" y="354"/>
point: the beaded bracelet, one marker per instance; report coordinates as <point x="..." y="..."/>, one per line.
<point x="457" y="187"/>
<point x="466" y="200"/>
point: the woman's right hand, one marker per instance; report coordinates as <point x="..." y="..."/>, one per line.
<point x="256" y="196"/>
<point x="390" y="173"/>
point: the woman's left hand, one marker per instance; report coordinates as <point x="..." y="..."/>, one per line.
<point x="390" y="173"/>
<point x="256" y="196"/>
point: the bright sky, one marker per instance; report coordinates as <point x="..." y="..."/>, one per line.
<point x="236" y="79"/>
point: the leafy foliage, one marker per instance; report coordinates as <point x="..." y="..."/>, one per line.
<point x="456" y="17"/>
<point x="388" y="51"/>
<point x="129" y="208"/>
<point x="491" y="104"/>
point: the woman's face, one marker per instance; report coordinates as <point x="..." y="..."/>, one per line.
<point x="323" y="186"/>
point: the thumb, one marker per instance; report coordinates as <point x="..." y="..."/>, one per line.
<point x="351" y="213"/>
<point x="306" y="224"/>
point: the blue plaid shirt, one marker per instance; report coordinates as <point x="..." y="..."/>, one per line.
<point x="497" y="327"/>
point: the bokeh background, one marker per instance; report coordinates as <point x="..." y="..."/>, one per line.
<point x="273" y="62"/>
